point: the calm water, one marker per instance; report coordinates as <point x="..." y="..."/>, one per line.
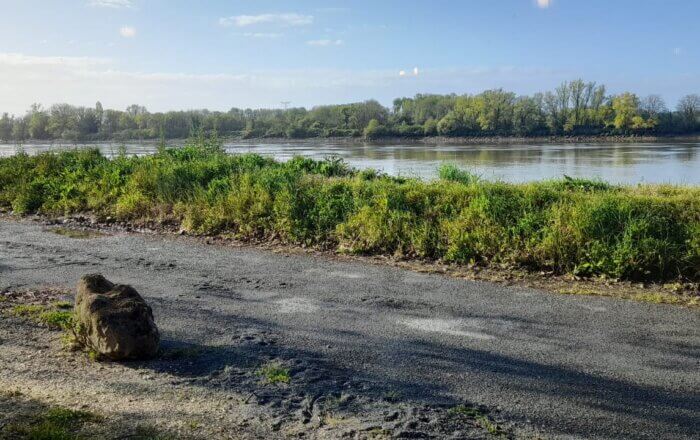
<point x="677" y="163"/>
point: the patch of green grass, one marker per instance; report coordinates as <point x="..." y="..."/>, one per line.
<point x="32" y="311"/>
<point x="55" y="424"/>
<point x="569" y="225"/>
<point x="77" y="234"/>
<point x="483" y="420"/>
<point x="54" y="319"/>
<point x="63" y="305"/>
<point x="68" y="417"/>
<point x="452" y="173"/>
<point x="93" y="355"/>
<point x="57" y="319"/>
<point x="274" y="373"/>
<point x="657" y="297"/>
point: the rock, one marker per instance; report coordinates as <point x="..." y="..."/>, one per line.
<point x="114" y="320"/>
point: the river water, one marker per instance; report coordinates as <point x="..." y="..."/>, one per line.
<point x="628" y="163"/>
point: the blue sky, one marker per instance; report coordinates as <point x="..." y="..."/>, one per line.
<point x="177" y="54"/>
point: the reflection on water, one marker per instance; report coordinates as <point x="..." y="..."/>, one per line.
<point x="619" y="163"/>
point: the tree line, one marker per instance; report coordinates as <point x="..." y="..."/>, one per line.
<point x="574" y="108"/>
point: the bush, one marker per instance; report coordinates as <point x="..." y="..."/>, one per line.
<point x="452" y="173"/>
<point x="569" y="225"/>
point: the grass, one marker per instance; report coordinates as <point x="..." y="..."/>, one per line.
<point x="480" y="418"/>
<point x="658" y="297"/>
<point x="76" y="233"/>
<point x="583" y="227"/>
<point x="59" y="423"/>
<point x="274" y="373"/>
<point x="56" y="423"/>
<point x="58" y="317"/>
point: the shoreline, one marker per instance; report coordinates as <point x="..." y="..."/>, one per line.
<point x="428" y="140"/>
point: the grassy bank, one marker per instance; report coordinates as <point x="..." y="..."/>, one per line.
<point x="584" y="227"/>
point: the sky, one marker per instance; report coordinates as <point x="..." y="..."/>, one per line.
<point x="218" y="54"/>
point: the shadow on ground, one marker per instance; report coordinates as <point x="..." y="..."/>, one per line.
<point x="315" y="375"/>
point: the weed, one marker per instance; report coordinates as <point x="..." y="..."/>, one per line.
<point x="32" y="311"/>
<point x="483" y="420"/>
<point x="76" y="233"/>
<point x="57" y="319"/>
<point x="274" y="372"/>
<point x="54" y="319"/>
<point x="571" y="225"/>
<point x="63" y="305"/>
<point x="67" y="417"/>
<point x="55" y="424"/>
<point x="452" y="173"/>
<point x="93" y="355"/>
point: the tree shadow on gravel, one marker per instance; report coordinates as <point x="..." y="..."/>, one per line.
<point x="404" y="370"/>
<point x="403" y="373"/>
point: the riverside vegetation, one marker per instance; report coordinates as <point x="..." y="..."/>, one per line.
<point x="647" y="232"/>
<point x="575" y="108"/>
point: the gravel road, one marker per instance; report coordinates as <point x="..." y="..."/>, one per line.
<point x="563" y="366"/>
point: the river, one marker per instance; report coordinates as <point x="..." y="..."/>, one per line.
<point x="627" y="163"/>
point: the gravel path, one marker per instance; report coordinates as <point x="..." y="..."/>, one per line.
<point x="392" y="340"/>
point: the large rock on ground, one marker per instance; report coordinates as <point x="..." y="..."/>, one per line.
<point x="114" y="320"/>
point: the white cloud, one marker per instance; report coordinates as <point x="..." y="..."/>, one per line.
<point x="325" y="43"/>
<point x="544" y="4"/>
<point x="262" y="35"/>
<point x="413" y="72"/>
<point x="114" y="4"/>
<point x="288" y="19"/>
<point x="127" y="32"/>
<point x="25" y="79"/>
<point x="18" y="59"/>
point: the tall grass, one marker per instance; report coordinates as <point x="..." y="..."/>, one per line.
<point x="569" y="225"/>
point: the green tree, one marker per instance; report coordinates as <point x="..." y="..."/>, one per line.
<point x="374" y="130"/>
<point x="449" y="125"/>
<point x="20" y="129"/>
<point x="5" y="128"/>
<point x="88" y="122"/>
<point x="62" y="120"/>
<point x="626" y="108"/>
<point x="430" y="128"/>
<point x="689" y="110"/>
<point x="528" y="117"/>
<point x="38" y="123"/>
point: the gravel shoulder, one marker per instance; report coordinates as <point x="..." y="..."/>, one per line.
<point x="371" y="351"/>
